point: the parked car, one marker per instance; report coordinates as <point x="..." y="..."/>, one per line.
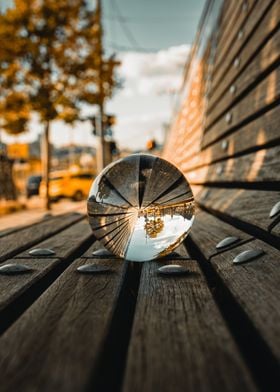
<point x="33" y="185"/>
<point x="64" y="183"/>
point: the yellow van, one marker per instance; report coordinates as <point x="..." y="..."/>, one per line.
<point x="70" y="184"/>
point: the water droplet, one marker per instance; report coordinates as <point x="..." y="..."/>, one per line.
<point x="224" y="145"/>
<point x="236" y="62"/>
<point x="93" y="269"/>
<point x="172" y="269"/>
<point x="13" y="269"/>
<point x="275" y="210"/>
<point x="228" y="118"/>
<point x="248" y="255"/>
<point x="41" y="252"/>
<point x="240" y="34"/>
<point x="102" y="252"/>
<point x="232" y="89"/>
<point x="141" y="207"/>
<point x="227" y="242"/>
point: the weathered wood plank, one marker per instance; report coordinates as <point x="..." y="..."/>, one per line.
<point x="250" y="206"/>
<point x="254" y="285"/>
<point x="179" y="340"/>
<point x="15" y="243"/>
<point x="232" y="88"/>
<point x="266" y="93"/>
<point x="228" y="9"/>
<point x="260" y="166"/>
<point x="256" y="27"/>
<point x="56" y="343"/>
<point x="65" y="241"/>
<point x="230" y="25"/>
<point x="254" y="135"/>
<point x="65" y="244"/>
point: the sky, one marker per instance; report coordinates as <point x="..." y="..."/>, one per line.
<point x="152" y="39"/>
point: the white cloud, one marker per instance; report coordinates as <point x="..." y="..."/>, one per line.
<point x="153" y="73"/>
<point x="146" y="101"/>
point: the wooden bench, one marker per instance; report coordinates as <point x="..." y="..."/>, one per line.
<point x="213" y="329"/>
<point x="216" y="328"/>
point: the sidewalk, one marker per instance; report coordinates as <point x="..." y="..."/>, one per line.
<point x="34" y="211"/>
<point x="9" y="206"/>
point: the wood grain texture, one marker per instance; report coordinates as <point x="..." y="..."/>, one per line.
<point x="250" y="206"/>
<point x="266" y="93"/>
<point x="256" y="134"/>
<point x="15" y="243"/>
<point x="65" y="244"/>
<point x="254" y="285"/>
<point x="231" y="23"/>
<point x="55" y="345"/>
<point x="257" y="25"/>
<point x="224" y="97"/>
<point x="65" y="241"/>
<point x="179" y="341"/>
<point x="216" y="232"/>
<point x="260" y="166"/>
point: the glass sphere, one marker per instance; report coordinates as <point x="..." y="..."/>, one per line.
<point x="140" y="207"/>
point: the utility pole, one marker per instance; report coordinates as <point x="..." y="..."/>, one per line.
<point x="100" y="122"/>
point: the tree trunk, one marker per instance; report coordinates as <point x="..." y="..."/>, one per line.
<point x="46" y="164"/>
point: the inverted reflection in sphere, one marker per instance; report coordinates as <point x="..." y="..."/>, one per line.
<point x="141" y="207"/>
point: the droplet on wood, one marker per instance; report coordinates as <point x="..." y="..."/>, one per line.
<point x="228" y="117"/>
<point x="172" y="269"/>
<point x="93" y="269"/>
<point x="102" y="252"/>
<point x="248" y="255"/>
<point x="236" y="62"/>
<point x="41" y="252"/>
<point x="224" y="145"/>
<point x="275" y="210"/>
<point x="227" y="242"/>
<point x="240" y="34"/>
<point x="13" y="269"/>
<point x="232" y="89"/>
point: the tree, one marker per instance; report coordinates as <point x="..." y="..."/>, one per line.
<point x="50" y="65"/>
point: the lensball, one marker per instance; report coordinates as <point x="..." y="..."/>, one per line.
<point x="140" y="207"/>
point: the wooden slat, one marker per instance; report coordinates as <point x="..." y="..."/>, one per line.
<point x="226" y="13"/>
<point x="15" y="243"/>
<point x="237" y="49"/>
<point x="250" y="206"/>
<point x="266" y="93"/>
<point x="262" y="166"/>
<point x="256" y="134"/>
<point x="267" y="57"/>
<point x="65" y="241"/>
<point x="56" y="343"/>
<point x="229" y="27"/>
<point x="254" y="285"/>
<point x="179" y="340"/>
<point x="65" y="244"/>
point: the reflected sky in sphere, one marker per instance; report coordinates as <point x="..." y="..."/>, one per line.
<point x="141" y="207"/>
